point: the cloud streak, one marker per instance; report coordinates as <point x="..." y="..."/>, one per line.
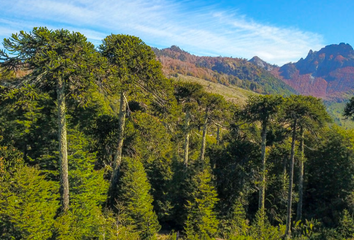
<point x="201" y="30"/>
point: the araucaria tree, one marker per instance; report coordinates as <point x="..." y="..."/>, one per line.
<point x="262" y="109"/>
<point x="59" y="62"/>
<point x="134" y="71"/>
<point x="187" y="94"/>
<point x="212" y="105"/>
<point x="300" y="112"/>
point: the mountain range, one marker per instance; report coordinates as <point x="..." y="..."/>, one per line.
<point x="327" y="74"/>
<point x="224" y="70"/>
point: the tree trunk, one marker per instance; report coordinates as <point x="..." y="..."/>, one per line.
<point x="301" y="177"/>
<point x="291" y="176"/>
<point x="261" y="199"/>
<point x="186" y="140"/>
<point x="202" y="151"/>
<point x="118" y="155"/>
<point x="63" y="146"/>
<point x="284" y="182"/>
<point x="284" y="166"/>
<point x="218" y="134"/>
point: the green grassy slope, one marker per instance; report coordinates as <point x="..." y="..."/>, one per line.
<point x="336" y="110"/>
<point x="231" y="93"/>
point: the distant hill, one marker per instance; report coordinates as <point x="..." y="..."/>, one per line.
<point x="224" y="70"/>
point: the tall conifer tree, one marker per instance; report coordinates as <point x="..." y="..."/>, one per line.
<point x="262" y="109"/>
<point x="201" y="219"/>
<point x="60" y="62"/>
<point x="188" y="94"/>
<point x="135" y="201"/>
<point x="300" y="112"/>
<point x="135" y="71"/>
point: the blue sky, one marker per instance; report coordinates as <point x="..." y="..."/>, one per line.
<point x="278" y="31"/>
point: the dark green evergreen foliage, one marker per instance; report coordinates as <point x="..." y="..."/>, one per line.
<point x="187" y="92"/>
<point x="62" y="64"/>
<point x="301" y="112"/>
<point x="27" y="122"/>
<point x="262" y="109"/>
<point x="50" y="54"/>
<point x="278" y="181"/>
<point x="308" y="111"/>
<point x="104" y="136"/>
<point x="10" y="159"/>
<point x="329" y="184"/>
<point x="201" y="220"/>
<point x="88" y="192"/>
<point x="148" y="139"/>
<point x="135" y="75"/>
<point x="235" y="170"/>
<point x="212" y="105"/>
<point x="349" y="109"/>
<point x="82" y="174"/>
<point x="135" y="68"/>
<point x="179" y="191"/>
<point x="308" y="229"/>
<point x="188" y="96"/>
<point x="134" y="202"/>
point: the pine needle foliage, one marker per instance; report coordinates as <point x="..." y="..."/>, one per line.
<point x="28" y="204"/>
<point x="134" y="201"/>
<point x="201" y="220"/>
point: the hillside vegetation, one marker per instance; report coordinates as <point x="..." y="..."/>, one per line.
<point x="224" y="70"/>
<point x="96" y="143"/>
<point x="231" y="93"/>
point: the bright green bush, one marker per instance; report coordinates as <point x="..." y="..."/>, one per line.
<point x="134" y="202"/>
<point x="28" y="204"/>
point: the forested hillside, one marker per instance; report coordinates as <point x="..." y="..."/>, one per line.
<point x="224" y="70"/>
<point x="96" y="143"/>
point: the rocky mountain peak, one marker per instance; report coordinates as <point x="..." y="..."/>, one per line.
<point x="176" y="49"/>
<point x="343" y="49"/>
<point x="261" y="63"/>
<point x="327" y="59"/>
<point x="326" y="73"/>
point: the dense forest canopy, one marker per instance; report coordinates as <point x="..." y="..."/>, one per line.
<point x="96" y="143"/>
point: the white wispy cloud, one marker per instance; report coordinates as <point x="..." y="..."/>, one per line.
<point x="203" y="30"/>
